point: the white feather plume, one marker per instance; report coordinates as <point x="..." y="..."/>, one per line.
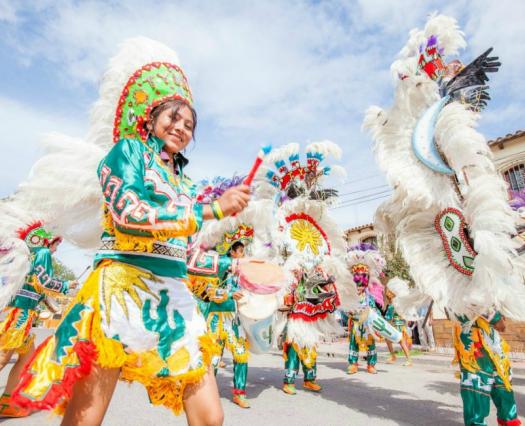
<point x="63" y="187"/>
<point x="419" y="193"/>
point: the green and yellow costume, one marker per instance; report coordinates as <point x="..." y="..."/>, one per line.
<point x="135" y="311"/>
<point x="15" y="330"/>
<point x="360" y="337"/>
<point x="225" y="328"/>
<point x="398" y="322"/>
<point x="485" y="372"/>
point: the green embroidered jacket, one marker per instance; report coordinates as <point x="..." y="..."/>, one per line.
<point x="39" y="278"/>
<point x="150" y="211"/>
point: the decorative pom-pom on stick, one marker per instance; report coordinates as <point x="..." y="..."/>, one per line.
<point x="263" y="152"/>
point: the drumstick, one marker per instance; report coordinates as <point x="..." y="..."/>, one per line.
<point x="83" y="272"/>
<point x="263" y="152"/>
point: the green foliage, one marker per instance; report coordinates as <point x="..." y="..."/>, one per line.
<point x="61" y="271"/>
<point x="396" y="265"/>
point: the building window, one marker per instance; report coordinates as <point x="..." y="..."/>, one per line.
<point x="370" y="240"/>
<point x="515" y="176"/>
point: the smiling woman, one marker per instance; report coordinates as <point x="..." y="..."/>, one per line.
<point x="175" y="123"/>
<point x="134" y="318"/>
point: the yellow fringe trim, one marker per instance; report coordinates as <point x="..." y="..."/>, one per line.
<point x="363" y="343"/>
<point x="468" y="359"/>
<point x="110" y="353"/>
<point x="502" y="364"/>
<point x="129" y="242"/>
<point x="465" y="357"/>
<point x="169" y="391"/>
<point x="221" y="335"/>
<point x="18" y="339"/>
<point x="41" y="289"/>
<point x="308" y="356"/>
<point x="198" y="285"/>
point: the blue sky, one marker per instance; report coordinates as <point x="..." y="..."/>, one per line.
<point x="261" y="72"/>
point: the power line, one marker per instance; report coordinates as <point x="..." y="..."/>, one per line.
<point x="350" y="204"/>
<point x="357" y="180"/>
<point x="362" y="197"/>
<point x="364" y="190"/>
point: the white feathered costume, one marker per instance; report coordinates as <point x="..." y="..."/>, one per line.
<point x="449" y="209"/>
<point x="304" y="238"/>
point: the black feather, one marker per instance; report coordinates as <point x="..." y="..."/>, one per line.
<point x="475" y="73"/>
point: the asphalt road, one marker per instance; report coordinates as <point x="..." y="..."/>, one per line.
<point x="418" y="395"/>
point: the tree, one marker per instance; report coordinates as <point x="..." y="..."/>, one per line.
<point x="62" y="271"/>
<point x="396" y="265"/>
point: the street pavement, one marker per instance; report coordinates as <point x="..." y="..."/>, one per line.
<point x="424" y="394"/>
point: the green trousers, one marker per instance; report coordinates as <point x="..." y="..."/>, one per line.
<point x="240" y="373"/>
<point x="292" y="364"/>
<point x="477" y="389"/>
<point x="353" y="347"/>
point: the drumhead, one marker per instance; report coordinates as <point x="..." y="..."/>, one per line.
<point x="44" y="315"/>
<point x="261" y="277"/>
<point x="257" y="306"/>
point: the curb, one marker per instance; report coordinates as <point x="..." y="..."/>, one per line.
<point x="446" y="360"/>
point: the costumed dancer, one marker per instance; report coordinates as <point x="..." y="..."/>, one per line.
<point x="312" y="297"/>
<point x="134" y="318"/>
<point x="485" y="370"/>
<point x="366" y="266"/>
<point x="449" y="212"/>
<point x="310" y="247"/>
<point x="399" y="323"/>
<point x="223" y="322"/>
<point x="21" y="311"/>
<point x="214" y="272"/>
<point x="222" y="318"/>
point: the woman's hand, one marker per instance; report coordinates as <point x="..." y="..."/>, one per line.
<point x="234" y="200"/>
<point x="237" y="295"/>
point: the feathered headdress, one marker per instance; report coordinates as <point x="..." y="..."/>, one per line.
<point x="242" y="234"/>
<point x="208" y="191"/>
<point x="366" y="259"/>
<point x="449" y="208"/>
<point x="15" y="255"/>
<point x="63" y="188"/>
<point x="290" y="178"/>
<point x="35" y="235"/>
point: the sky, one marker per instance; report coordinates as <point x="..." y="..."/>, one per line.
<point x="269" y="72"/>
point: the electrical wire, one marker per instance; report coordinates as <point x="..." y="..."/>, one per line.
<point x="364" y="190"/>
<point x="356" y="203"/>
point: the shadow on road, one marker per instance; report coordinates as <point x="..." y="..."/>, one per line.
<point x="394" y="405"/>
<point x="444" y="387"/>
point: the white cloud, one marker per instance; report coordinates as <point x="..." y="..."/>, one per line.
<point x="23" y="127"/>
<point x="7" y="11"/>
<point x="264" y="72"/>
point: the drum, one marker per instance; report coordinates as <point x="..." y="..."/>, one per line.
<point x="259" y="333"/>
<point x="257" y="306"/>
<point x="256" y="313"/>
<point x="378" y="325"/>
<point x="44" y="315"/>
<point x="261" y="277"/>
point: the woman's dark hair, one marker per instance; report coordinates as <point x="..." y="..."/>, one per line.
<point x="174" y="105"/>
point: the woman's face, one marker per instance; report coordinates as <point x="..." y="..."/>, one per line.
<point x="176" y="131"/>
